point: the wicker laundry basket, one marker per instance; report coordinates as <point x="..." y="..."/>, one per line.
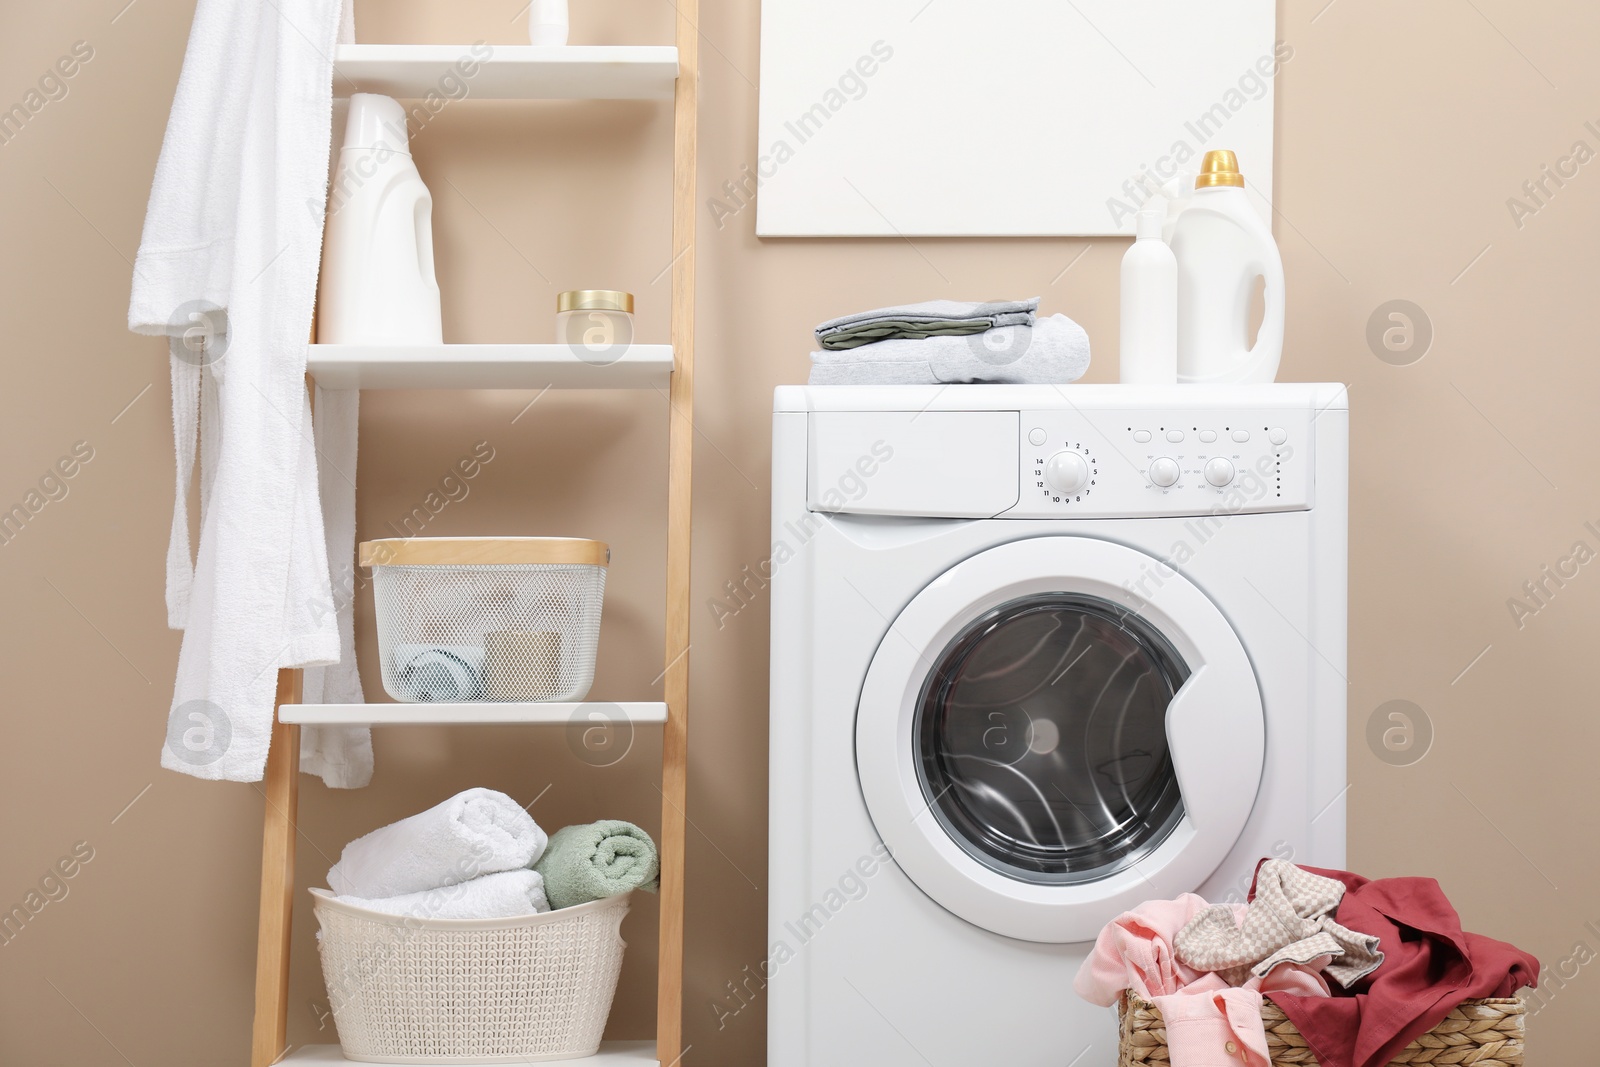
<point x="1477" y="1033"/>
<point x="413" y="990"/>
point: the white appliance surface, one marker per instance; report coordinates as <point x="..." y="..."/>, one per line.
<point x="918" y="916"/>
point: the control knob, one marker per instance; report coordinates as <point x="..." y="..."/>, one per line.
<point x="1164" y="472"/>
<point x="1067" y="473"/>
<point x="1219" y="471"/>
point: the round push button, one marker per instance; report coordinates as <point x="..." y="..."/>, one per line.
<point x="1277" y="435"/>
<point x="1037" y="436"/>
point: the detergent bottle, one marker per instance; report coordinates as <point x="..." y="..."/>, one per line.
<point x="377" y="284"/>
<point x="1149" y="335"/>
<point x="1222" y="246"/>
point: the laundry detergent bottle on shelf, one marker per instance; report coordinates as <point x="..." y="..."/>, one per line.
<point x="1222" y="246"/>
<point x="377" y="284"/>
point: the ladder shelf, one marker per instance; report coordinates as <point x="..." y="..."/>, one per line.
<point x="519" y="72"/>
<point x="480" y="713"/>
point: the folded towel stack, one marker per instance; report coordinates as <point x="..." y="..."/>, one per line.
<point x="598" y="860"/>
<point x="479" y="855"/>
<point x="465" y="858"/>
<point x="944" y="342"/>
<point x="932" y="318"/>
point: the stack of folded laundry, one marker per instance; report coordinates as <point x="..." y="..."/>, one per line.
<point x="479" y="855"/>
<point x="950" y="341"/>
<point x="1362" y="968"/>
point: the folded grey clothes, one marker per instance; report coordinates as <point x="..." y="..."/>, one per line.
<point x="1054" y="350"/>
<point x="494" y="896"/>
<point x="932" y="318"/>
<point x="1287" y="922"/>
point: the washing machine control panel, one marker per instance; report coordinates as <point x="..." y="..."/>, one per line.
<point x="1109" y="463"/>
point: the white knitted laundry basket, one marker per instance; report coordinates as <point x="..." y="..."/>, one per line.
<point x="412" y="990"/>
<point x="463" y="619"/>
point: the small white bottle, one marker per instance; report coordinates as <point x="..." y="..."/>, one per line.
<point x="547" y="22"/>
<point x="377" y="284"/>
<point x="1223" y="246"/>
<point x="1149" y="353"/>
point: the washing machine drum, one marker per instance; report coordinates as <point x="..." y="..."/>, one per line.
<point x="1042" y="749"/>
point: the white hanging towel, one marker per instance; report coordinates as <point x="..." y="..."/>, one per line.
<point x="229" y="260"/>
<point x="340" y="755"/>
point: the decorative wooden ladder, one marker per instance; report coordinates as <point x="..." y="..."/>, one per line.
<point x="522" y="72"/>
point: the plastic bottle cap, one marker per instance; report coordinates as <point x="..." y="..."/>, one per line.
<point x="1220" y="167"/>
<point x="1148" y="222"/>
<point x="376" y="122"/>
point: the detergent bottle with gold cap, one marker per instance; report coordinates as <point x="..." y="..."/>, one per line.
<point x="1222" y="246"/>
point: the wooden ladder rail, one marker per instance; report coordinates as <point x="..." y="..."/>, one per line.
<point x="680" y="455"/>
<point x="281" y="786"/>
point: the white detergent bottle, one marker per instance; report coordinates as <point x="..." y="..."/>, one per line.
<point x="1222" y="247"/>
<point x="547" y="22"/>
<point x="1149" y="336"/>
<point x="377" y="284"/>
<point x="1179" y="194"/>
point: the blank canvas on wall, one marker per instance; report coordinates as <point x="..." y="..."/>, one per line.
<point x="1005" y="118"/>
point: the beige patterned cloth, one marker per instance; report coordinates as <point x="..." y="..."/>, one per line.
<point x="1287" y="922"/>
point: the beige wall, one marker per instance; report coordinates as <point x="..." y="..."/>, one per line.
<point x="1402" y="131"/>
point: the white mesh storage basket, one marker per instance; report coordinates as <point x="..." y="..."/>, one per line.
<point x="415" y="990"/>
<point x="487" y="618"/>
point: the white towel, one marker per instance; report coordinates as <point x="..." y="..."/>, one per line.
<point x="340" y="755"/>
<point x="245" y="153"/>
<point x="1054" y="350"/>
<point x="494" y="896"/>
<point x="472" y="834"/>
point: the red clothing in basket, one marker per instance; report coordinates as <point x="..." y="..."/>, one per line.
<point x="1430" y="965"/>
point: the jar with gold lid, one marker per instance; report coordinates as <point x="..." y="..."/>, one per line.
<point x="596" y="325"/>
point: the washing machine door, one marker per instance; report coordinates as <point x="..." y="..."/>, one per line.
<point x="1042" y="749"/>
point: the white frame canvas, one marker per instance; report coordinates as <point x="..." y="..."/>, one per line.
<point x="1006" y="118"/>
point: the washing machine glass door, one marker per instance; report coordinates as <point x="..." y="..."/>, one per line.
<point x="1041" y="750"/>
<point x="1041" y="737"/>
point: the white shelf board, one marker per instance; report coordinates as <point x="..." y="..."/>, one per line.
<point x="508" y="72"/>
<point x="611" y="1054"/>
<point x="473" y="714"/>
<point x="494" y="366"/>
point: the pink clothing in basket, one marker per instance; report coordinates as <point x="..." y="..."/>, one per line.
<point x="1209" y="1023"/>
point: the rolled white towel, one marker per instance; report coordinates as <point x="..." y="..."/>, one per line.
<point x="494" y="896"/>
<point x="472" y="834"/>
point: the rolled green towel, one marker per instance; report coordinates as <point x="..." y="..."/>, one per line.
<point x="596" y="860"/>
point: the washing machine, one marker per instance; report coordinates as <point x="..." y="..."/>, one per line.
<point x="1039" y="654"/>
